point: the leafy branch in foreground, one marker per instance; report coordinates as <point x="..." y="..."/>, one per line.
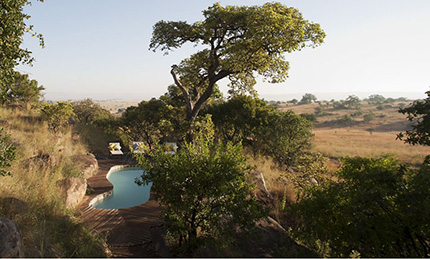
<point x="418" y="113"/>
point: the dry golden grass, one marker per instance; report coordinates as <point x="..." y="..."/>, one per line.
<point x="48" y="228"/>
<point x="114" y="106"/>
<point x="367" y="139"/>
<point x="282" y="190"/>
<point x="356" y="142"/>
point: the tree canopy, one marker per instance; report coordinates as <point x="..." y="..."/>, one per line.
<point x="308" y="98"/>
<point x="239" y="43"/>
<point x="22" y="90"/>
<point x="12" y="28"/>
<point x="266" y="130"/>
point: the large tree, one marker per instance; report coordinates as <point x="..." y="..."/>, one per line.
<point x="236" y="42"/>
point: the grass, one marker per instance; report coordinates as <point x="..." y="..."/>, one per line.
<point x="360" y="138"/>
<point x="48" y="228"/>
<point x="345" y="142"/>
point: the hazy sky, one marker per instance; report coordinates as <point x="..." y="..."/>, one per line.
<point x="99" y="49"/>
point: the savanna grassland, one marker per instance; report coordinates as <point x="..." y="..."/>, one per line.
<point x="338" y="136"/>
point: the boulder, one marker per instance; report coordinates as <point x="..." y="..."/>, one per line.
<point x="90" y="166"/>
<point x="10" y="239"/>
<point x="72" y="190"/>
<point x="262" y="192"/>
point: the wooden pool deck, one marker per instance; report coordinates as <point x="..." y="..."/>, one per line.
<point x="128" y="227"/>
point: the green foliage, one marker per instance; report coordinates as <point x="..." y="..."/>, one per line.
<point x="7" y="153"/>
<point x="376" y="98"/>
<point x="88" y="112"/>
<point x="309" y="170"/>
<point x="368" y="117"/>
<point x="57" y="115"/>
<point x="309" y="116"/>
<point x="377" y="208"/>
<point x="153" y="121"/>
<point x="286" y="137"/>
<point x="238" y="42"/>
<point x="357" y="113"/>
<point x="418" y="113"/>
<point x="380" y="107"/>
<point x="12" y="29"/>
<point x="240" y="119"/>
<point x="282" y="135"/>
<point x="352" y="102"/>
<point x="308" y="98"/>
<point x="22" y="90"/>
<point x="202" y="187"/>
<point x="346" y="119"/>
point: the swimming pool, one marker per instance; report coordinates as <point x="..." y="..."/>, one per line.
<point x="126" y="193"/>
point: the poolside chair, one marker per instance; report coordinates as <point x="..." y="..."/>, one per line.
<point x="171" y="147"/>
<point x="138" y="147"/>
<point x="115" y="149"/>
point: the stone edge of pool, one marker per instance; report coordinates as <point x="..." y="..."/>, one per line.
<point x="103" y="195"/>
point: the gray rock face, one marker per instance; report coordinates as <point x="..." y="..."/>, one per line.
<point x="10" y="239"/>
<point x="90" y="166"/>
<point x="72" y="190"/>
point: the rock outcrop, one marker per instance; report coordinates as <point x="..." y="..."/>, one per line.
<point x="10" y="239"/>
<point x="262" y="192"/>
<point x="90" y="166"/>
<point x="72" y="190"/>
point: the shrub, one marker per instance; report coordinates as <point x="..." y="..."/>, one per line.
<point x="369" y="117"/>
<point x="202" y="187"/>
<point x="309" y="116"/>
<point x="89" y="112"/>
<point x="281" y="135"/>
<point x="57" y="115"/>
<point x="378" y="208"/>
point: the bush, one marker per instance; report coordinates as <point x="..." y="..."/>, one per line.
<point x="309" y="116"/>
<point x="23" y="91"/>
<point x="369" y="117"/>
<point x="89" y="112"/>
<point x="281" y="135"/>
<point x="57" y="115"/>
<point x="285" y="137"/>
<point x="202" y="187"/>
<point x="377" y="208"/>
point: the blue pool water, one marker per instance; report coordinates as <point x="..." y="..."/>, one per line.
<point x="126" y="193"/>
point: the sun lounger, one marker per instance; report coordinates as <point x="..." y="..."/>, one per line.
<point x="171" y="148"/>
<point x="115" y="149"/>
<point x="138" y="147"/>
